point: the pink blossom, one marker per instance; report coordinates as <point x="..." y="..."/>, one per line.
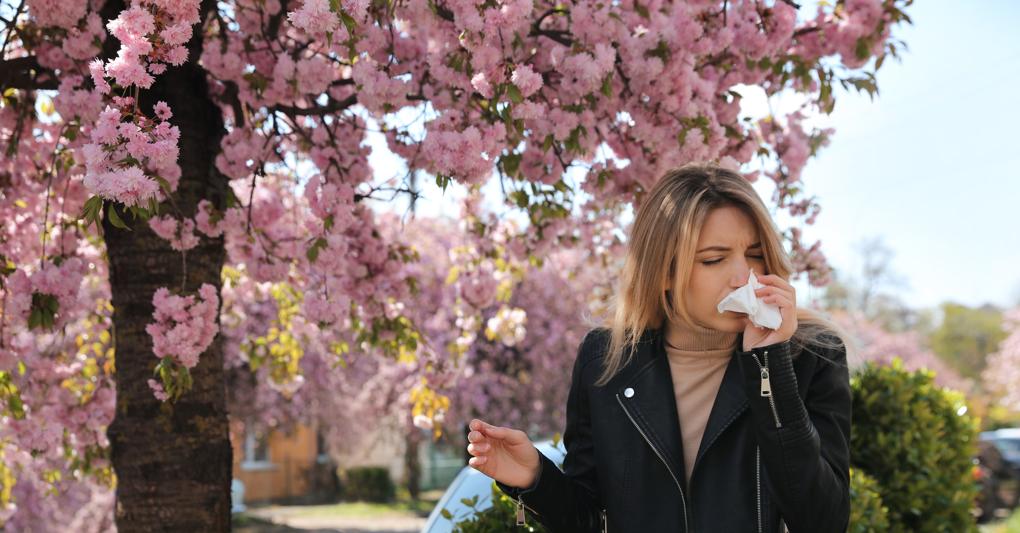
<point x="129" y="186"/>
<point x="162" y="110"/>
<point x="314" y="17"/>
<point x="526" y="80"/>
<point x="132" y="22"/>
<point x="127" y="70"/>
<point x="59" y="13"/>
<point x="313" y="75"/>
<point x="177" y="56"/>
<point x="181" y="235"/>
<point x="157" y="390"/>
<point x="482" y="85"/>
<point x="203" y="220"/>
<point x="99" y="76"/>
<point x="184" y="326"/>
<point x="176" y="34"/>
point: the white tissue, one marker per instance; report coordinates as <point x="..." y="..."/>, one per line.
<point x="743" y="300"/>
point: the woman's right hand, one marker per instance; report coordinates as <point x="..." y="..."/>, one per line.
<point x="504" y="454"/>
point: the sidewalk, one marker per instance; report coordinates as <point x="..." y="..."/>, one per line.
<point x="293" y="519"/>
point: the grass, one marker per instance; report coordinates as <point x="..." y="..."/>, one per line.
<point x="1010" y="525"/>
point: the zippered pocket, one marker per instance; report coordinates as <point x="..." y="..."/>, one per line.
<point x="766" y="384"/>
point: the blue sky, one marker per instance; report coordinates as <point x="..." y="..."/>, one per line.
<point x="930" y="167"/>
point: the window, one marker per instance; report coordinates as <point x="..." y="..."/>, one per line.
<point x="256" y="451"/>
<point x="321" y="450"/>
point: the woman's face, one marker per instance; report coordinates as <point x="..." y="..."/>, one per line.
<point x="728" y="248"/>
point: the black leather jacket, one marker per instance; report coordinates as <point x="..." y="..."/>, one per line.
<point x="762" y="460"/>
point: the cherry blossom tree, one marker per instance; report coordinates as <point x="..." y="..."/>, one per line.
<point x="171" y="164"/>
<point x="1001" y="376"/>
<point x="877" y="345"/>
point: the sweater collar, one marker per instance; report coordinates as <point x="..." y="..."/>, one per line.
<point x="694" y="338"/>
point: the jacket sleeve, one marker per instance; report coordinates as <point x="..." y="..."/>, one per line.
<point x="567" y="501"/>
<point x="805" y="443"/>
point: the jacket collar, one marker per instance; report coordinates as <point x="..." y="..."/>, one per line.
<point x="653" y="405"/>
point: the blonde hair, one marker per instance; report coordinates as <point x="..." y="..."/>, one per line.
<point x="661" y="249"/>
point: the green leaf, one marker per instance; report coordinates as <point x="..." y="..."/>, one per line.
<point x="607" y="85"/>
<point x="114" y="218"/>
<point x="313" y="252"/>
<point x="547" y="142"/>
<point x="90" y="211"/>
<point x="863" y="48"/>
<point x="514" y="93"/>
<point x="163" y="183"/>
<point x="511" y="164"/>
<point x="349" y="22"/>
<point x="520" y="198"/>
<point x="642" y="10"/>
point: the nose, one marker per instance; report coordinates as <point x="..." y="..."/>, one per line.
<point x="741" y="271"/>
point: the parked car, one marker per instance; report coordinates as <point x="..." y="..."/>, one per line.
<point x="1007" y="440"/>
<point x="471" y="483"/>
<point x="998" y="472"/>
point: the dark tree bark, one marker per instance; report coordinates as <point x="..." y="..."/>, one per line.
<point x="412" y="464"/>
<point x="173" y="462"/>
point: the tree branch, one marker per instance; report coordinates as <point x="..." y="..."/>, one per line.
<point x="332" y="106"/>
<point x="25" y="73"/>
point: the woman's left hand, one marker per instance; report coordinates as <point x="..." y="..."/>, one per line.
<point x="778" y="292"/>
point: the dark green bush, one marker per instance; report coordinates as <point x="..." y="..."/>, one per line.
<point x="917" y="441"/>
<point x="368" y="483"/>
<point x="499" y="518"/>
<point x="867" y="513"/>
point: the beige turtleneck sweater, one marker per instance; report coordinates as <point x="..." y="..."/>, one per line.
<point x="697" y="361"/>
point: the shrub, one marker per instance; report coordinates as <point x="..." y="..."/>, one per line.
<point x="499" y="518"/>
<point x="917" y="441"/>
<point x="867" y="513"/>
<point x="368" y="483"/>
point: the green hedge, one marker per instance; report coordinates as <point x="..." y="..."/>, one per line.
<point x="496" y="519"/>
<point x="368" y="483"/>
<point x="867" y="513"/>
<point x="917" y="441"/>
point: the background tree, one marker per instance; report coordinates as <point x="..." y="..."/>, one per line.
<point x="965" y="336"/>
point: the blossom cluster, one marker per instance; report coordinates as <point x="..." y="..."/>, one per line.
<point x="184" y="326"/>
<point x="129" y="153"/>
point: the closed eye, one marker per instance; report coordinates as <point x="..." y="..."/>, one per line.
<point x="715" y="261"/>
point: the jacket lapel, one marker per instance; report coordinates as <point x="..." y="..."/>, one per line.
<point x="730" y="401"/>
<point x="651" y="403"/>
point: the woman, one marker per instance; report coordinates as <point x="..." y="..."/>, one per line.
<point x="684" y="419"/>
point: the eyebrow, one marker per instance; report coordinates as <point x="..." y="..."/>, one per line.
<point x="724" y="248"/>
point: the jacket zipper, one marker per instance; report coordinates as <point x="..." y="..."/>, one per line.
<point x="757" y="476"/>
<point x="676" y="480"/>
<point x="605" y="522"/>
<point x="521" y="506"/>
<point x="766" y="385"/>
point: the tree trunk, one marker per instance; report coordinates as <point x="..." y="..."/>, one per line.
<point x="412" y="465"/>
<point x="173" y="462"/>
